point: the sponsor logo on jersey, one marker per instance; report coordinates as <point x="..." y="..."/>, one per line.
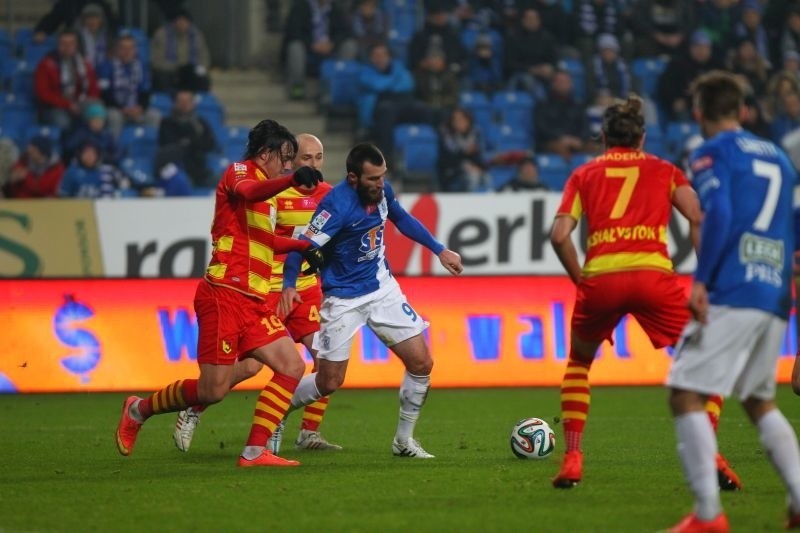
<point x="371" y="242"/>
<point x="239" y="167"/>
<point x="320" y="220"/>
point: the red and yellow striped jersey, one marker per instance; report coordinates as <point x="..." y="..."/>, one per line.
<point x="293" y="209"/>
<point x="626" y="196"/>
<point x="242" y="236"/>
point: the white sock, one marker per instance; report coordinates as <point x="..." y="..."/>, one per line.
<point x="780" y="442"/>
<point x="251" y="452"/>
<point x="413" y="391"/>
<point x="697" y="448"/>
<point x="305" y="393"/>
<point x="134" y="413"/>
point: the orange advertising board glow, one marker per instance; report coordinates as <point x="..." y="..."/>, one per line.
<point x="115" y="335"/>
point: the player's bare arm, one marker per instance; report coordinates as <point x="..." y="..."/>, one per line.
<point x="685" y="201"/>
<point x="560" y="238"/>
<point x="451" y="261"/>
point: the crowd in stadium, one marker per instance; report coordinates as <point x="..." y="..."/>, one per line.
<point x="469" y="95"/>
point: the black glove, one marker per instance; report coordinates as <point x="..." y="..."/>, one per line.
<point x="307" y="176"/>
<point x="315" y="260"/>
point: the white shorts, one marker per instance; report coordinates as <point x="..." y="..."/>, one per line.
<point x="736" y="352"/>
<point x="385" y="311"/>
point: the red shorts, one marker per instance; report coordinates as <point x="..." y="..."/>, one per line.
<point x="654" y="298"/>
<point x="304" y="318"/>
<point x="231" y="324"/>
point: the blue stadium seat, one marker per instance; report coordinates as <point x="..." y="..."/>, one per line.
<point x="654" y="142"/>
<point x="646" y="71"/>
<point x="578" y="73"/>
<point x="502" y="138"/>
<point x="480" y="107"/>
<point x="210" y="108"/>
<point x="515" y="109"/>
<point x="162" y="102"/>
<point x="16" y="114"/>
<point x="470" y="35"/>
<point x="139" y="141"/>
<point x="501" y="175"/>
<point x="403" y="20"/>
<point x="578" y="160"/>
<point x="139" y="169"/>
<point x="51" y="132"/>
<point x="234" y="142"/>
<point x="553" y="170"/>
<point x="217" y="163"/>
<point x="22" y="79"/>
<point x="676" y="134"/>
<point x="417" y="147"/>
<point x="339" y="83"/>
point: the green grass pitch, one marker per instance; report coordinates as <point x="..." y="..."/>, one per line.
<point x="60" y="470"/>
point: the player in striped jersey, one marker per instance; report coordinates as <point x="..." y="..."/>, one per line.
<point x="232" y="319"/>
<point x="298" y="308"/>
<point x="627" y="197"/>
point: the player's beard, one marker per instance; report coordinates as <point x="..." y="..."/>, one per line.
<point x="368" y="197"/>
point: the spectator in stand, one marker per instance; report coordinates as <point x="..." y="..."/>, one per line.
<point x="484" y="67"/>
<point x="560" y="121"/>
<point x="745" y="60"/>
<point x="753" y="120"/>
<point x="385" y="85"/>
<point x="659" y="26"/>
<point x="369" y="26"/>
<point x="609" y="72"/>
<point x="179" y="55"/>
<point x="436" y="85"/>
<point x="94" y="34"/>
<point x="315" y="30"/>
<point x="9" y="153"/>
<point x="718" y="18"/>
<point x="672" y="92"/>
<point x="461" y="144"/>
<point x="65" y="13"/>
<point x="63" y="82"/>
<point x="555" y="19"/>
<point x="184" y="138"/>
<point x="532" y="54"/>
<point x="594" y="121"/>
<point x="780" y="84"/>
<point x="790" y="39"/>
<point x="788" y="119"/>
<point x="526" y="178"/>
<point x="596" y="17"/>
<point x="124" y="82"/>
<point x="437" y="35"/>
<point x="89" y="177"/>
<point x="92" y="129"/>
<point x="749" y="27"/>
<point x="791" y="63"/>
<point x="37" y="173"/>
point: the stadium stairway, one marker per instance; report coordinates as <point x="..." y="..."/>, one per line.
<point x="250" y="95"/>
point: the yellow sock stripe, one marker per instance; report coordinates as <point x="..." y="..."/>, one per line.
<point x="171" y="394"/>
<point x="575" y="369"/>
<point x="279" y="390"/>
<point x="312" y="417"/>
<point x="574" y="415"/>
<point x="265" y="422"/>
<point x="575" y="397"/>
<point x="575" y="383"/>
<point x="271" y="410"/>
<point x="157" y="402"/>
<point x="269" y="396"/>
<point x="179" y="395"/>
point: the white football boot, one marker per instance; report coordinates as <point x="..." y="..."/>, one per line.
<point x="410" y="448"/>
<point x="274" y="442"/>
<point x="313" y="440"/>
<point x="184" y="428"/>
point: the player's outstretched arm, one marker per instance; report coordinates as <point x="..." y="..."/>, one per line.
<point x="451" y="261"/>
<point x="414" y="229"/>
<point x="254" y="190"/>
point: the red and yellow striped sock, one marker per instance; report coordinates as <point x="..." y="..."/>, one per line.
<point x="313" y="413"/>
<point x="714" y="410"/>
<point x="575" y="399"/>
<point x="175" y="397"/>
<point x="270" y="408"/>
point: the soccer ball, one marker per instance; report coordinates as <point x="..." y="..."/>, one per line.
<point x="532" y="438"/>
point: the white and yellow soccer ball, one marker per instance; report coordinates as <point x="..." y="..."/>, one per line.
<point x="532" y="438"/>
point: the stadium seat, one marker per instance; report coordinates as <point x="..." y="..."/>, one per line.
<point x="217" y="163"/>
<point x="210" y="108"/>
<point x="675" y="137"/>
<point x="470" y="35"/>
<point x="139" y="169"/>
<point x="553" y="170"/>
<point x="20" y="75"/>
<point x="403" y="21"/>
<point x="234" y="142"/>
<point x="515" y="109"/>
<point x="654" y="142"/>
<point x="139" y="141"/>
<point x="339" y="83"/>
<point x="578" y="73"/>
<point x="162" y="102"/>
<point x="646" y="71"/>
<point x="501" y="175"/>
<point x="51" y="132"/>
<point x="578" y="160"/>
<point x="502" y="138"/>
<point x="480" y="107"/>
<point x="417" y="152"/>
<point x="17" y="114"/>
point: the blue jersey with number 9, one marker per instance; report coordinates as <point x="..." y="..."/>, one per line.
<point x="746" y="189"/>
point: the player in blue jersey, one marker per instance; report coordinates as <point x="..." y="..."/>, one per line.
<point x="740" y="298"/>
<point x="359" y="289"/>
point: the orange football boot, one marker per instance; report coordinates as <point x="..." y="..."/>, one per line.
<point x="267" y="458"/>
<point x="571" y="470"/>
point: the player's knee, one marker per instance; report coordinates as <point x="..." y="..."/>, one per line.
<point x="423" y="367"/>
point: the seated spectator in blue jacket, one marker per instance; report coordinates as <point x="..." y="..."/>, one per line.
<point x="383" y="81"/>
<point x="608" y="70"/>
<point x="788" y="118"/>
<point x="89" y="177"/>
<point x="484" y="67"/>
<point x="560" y="121"/>
<point x="124" y="82"/>
<point x="92" y="129"/>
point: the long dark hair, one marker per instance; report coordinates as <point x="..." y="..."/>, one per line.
<point x="268" y="136"/>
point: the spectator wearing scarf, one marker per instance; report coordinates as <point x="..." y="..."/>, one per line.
<point x="179" y="55"/>
<point x="125" y="88"/>
<point x="609" y="72"/>
<point x="94" y="35"/>
<point x="63" y="82"/>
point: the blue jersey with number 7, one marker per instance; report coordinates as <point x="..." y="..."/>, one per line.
<point x="746" y="189"/>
